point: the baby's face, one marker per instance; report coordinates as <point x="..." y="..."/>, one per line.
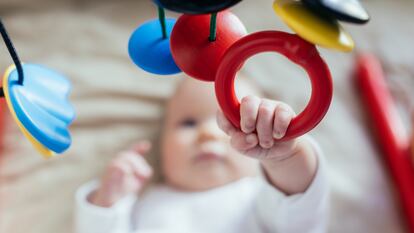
<point x="196" y="154"/>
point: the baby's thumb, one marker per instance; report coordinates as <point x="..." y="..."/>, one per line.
<point x="142" y="147"/>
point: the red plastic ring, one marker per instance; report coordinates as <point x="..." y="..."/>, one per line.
<point x="295" y="49"/>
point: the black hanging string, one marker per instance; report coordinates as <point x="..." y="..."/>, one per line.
<point x="13" y="54"/>
<point x="161" y="16"/>
<point x="213" y="27"/>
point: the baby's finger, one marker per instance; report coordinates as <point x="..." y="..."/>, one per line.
<point x="265" y="123"/>
<point x="224" y="124"/>
<point x="138" y="166"/>
<point x="248" y="113"/>
<point x="142" y="147"/>
<point x="283" y="117"/>
<point x="242" y="142"/>
<point x="116" y="172"/>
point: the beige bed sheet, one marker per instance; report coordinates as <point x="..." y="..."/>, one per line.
<point x="117" y="104"/>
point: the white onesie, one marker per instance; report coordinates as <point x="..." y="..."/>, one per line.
<point x="249" y="205"/>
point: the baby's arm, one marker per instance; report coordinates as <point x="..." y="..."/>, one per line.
<point x="106" y="206"/>
<point x="290" y="166"/>
<point x="295" y="195"/>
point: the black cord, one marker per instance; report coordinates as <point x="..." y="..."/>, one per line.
<point x="161" y="16"/>
<point x="13" y="54"/>
<point x="213" y="27"/>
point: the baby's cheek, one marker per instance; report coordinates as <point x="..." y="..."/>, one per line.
<point x="179" y="139"/>
<point x="177" y="149"/>
<point x="174" y="165"/>
<point x="185" y="137"/>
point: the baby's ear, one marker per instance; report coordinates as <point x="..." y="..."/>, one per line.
<point x="142" y="147"/>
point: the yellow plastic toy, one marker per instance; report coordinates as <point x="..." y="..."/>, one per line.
<point x="313" y="27"/>
<point x="38" y="146"/>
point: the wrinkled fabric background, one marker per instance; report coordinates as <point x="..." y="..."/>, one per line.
<point x="117" y="104"/>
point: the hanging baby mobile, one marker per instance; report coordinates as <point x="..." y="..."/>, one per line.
<point x="210" y="43"/>
<point x="37" y="98"/>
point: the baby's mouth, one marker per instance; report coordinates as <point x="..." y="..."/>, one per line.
<point x="208" y="156"/>
<point x="211" y="152"/>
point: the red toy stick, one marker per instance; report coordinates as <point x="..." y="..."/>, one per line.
<point x="389" y="129"/>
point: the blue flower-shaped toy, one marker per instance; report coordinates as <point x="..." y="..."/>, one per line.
<point x="40" y="107"/>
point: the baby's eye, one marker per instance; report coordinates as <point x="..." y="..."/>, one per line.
<point x="189" y="122"/>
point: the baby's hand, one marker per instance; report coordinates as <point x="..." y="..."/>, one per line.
<point x="126" y="174"/>
<point x="290" y="165"/>
<point x="270" y="119"/>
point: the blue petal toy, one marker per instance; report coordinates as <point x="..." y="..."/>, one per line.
<point x="41" y="106"/>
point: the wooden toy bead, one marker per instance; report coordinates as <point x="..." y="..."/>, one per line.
<point x="312" y="27"/>
<point x="295" y="49"/>
<point x="191" y="48"/>
<point x="196" y="6"/>
<point x="345" y="10"/>
<point x="150" y="51"/>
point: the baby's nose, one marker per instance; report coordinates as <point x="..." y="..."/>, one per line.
<point x="209" y="130"/>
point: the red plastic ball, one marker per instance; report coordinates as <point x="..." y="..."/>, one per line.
<point x="191" y="48"/>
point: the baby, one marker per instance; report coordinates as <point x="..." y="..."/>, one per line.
<point x="217" y="178"/>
